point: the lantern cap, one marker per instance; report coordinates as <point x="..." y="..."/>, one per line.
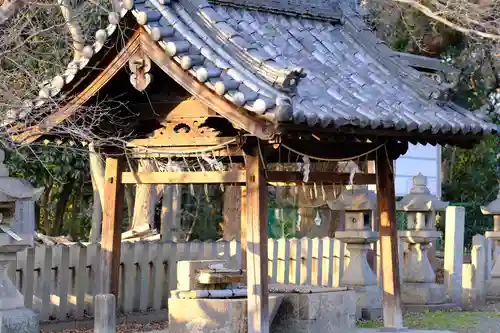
<point x="359" y="198"/>
<point x="13" y="189"/>
<point x="493" y="208"/>
<point x="420" y="198"/>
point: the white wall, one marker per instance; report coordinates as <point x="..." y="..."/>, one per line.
<point x="425" y="159"/>
<point x="419" y="158"/>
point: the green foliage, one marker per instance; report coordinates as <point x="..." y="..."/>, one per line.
<point x="469" y="176"/>
<point x="452" y="320"/>
<point x="63" y="171"/>
<point x="201" y="212"/>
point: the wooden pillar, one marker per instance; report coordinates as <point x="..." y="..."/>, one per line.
<point x="111" y="227"/>
<point x="388" y="229"/>
<point x="256" y="237"/>
<point x="243" y="226"/>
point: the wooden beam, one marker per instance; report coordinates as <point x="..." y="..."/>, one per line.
<point x="256" y="237"/>
<point x="275" y="178"/>
<point x="29" y="135"/>
<point x="159" y="152"/>
<point x="173" y="141"/>
<point x="237" y="116"/>
<point x="388" y="229"/>
<point x="288" y="178"/>
<point x="197" y="177"/>
<point x="111" y="227"/>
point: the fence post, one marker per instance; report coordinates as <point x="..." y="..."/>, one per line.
<point x="453" y="252"/>
<point x="467" y="285"/>
<point x="105" y="314"/>
<point x="478" y="258"/>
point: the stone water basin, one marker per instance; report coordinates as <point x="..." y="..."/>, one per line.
<point x="214" y="315"/>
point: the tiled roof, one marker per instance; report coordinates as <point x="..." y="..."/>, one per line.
<point x="295" y="69"/>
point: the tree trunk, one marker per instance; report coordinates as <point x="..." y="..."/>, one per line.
<point x="74" y="229"/>
<point x="145" y="201"/>
<point x="231" y="212"/>
<point x="171" y="213"/>
<point x="129" y="198"/>
<point x="45" y="202"/>
<point x="97" y="176"/>
<point x="62" y="202"/>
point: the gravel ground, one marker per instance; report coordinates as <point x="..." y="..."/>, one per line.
<point x="128" y="328"/>
<point x="487" y="320"/>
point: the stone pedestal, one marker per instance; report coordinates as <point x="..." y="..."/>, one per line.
<point x="14" y="317"/>
<point x="21" y="320"/>
<point x="419" y="280"/>
<point x="422" y="293"/>
<point x="359" y="275"/>
<point x="325" y="311"/>
<point x="493" y="209"/>
<point x="493" y="285"/>
<point x="206" y="315"/>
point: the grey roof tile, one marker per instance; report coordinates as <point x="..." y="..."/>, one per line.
<point x="245" y="55"/>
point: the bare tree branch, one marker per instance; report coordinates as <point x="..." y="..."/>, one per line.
<point x="73" y="27"/>
<point x="479" y="19"/>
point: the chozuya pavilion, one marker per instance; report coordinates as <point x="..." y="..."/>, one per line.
<point x="255" y="82"/>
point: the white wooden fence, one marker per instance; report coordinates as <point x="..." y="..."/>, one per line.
<point x="59" y="282"/>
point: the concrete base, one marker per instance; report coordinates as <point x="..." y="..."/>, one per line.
<point x="21" y="320"/>
<point x="368" y="302"/>
<point x="422" y="293"/>
<point x="212" y="315"/>
<point x="493" y="288"/>
<point x="325" y="312"/>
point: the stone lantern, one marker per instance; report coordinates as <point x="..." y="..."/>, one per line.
<point x="419" y="279"/>
<point x="16" y="234"/>
<point x="493" y="209"/>
<point x="359" y="205"/>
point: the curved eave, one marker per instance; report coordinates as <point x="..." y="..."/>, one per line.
<point x="239" y="117"/>
<point x="53" y="89"/>
<point x="185" y="41"/>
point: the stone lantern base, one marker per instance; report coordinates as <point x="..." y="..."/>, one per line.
<point x="493" y="288"/>
<point x="369" y="302"/>
<point x="21" y="320"/>
<point x="422" y="293"/>
<point x="14" y="317"/>
<point x="358" y="274"/>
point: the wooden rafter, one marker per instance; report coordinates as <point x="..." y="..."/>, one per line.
<point x="30" y="135"/>
<point x="458" y="139"/>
